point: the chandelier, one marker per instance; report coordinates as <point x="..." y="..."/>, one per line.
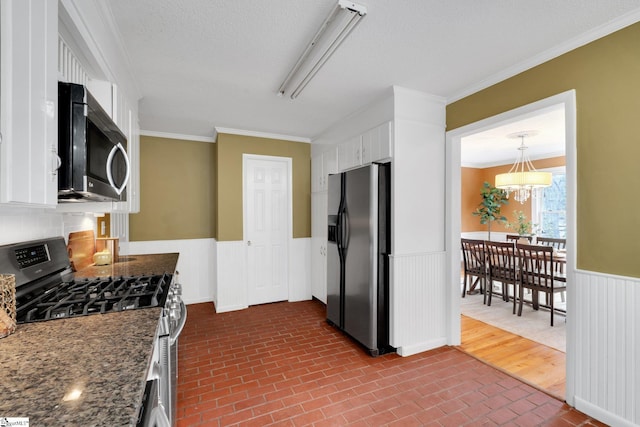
<point x="522" y="178"/>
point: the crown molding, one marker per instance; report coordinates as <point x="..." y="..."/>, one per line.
<point x="177" y="136"/>
<point x="231" y="131"/>
<point x="569" y="45"/>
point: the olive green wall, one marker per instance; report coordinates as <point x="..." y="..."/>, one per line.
<point x="230" y="149"/>
<point x="176" y="191"/>
<point x="606" y="77"/>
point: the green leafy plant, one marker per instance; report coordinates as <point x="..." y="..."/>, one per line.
<point x="522" y="225"/>
<point x="489" y="209"/>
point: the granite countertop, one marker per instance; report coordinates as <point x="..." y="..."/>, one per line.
<point x="105" y="356"/>
<point x="132" y="265"/>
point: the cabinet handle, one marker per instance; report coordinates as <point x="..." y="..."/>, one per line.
<point x="0" y="137"/>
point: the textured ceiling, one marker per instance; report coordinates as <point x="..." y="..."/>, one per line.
<point x="201" y="64"/>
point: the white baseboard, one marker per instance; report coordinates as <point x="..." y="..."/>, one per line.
<point x="410" y="350"/>
<point x="601" y="414"/>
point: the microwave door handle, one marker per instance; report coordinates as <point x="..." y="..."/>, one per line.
<point x="126" y="161"/>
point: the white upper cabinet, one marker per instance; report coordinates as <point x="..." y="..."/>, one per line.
<point x="373" y="145"/>
<point x="28" y="102"/>
<point x="376" y="144"/>
<point x="350" y="153"/>
<point x="321" y="166"/>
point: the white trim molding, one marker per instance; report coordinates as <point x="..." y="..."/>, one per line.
<point x="258" y="134"/>
<point x="177" y="136"/>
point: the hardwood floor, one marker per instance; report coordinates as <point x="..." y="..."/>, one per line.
<point x="540" y="366"/>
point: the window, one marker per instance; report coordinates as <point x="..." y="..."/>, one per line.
<point x="550" y="207"/>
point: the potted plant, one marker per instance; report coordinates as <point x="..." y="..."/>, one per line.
<point x="522" y="226"/>
<point x="489" y="209"/>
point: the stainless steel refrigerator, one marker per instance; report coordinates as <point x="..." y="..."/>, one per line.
<point x="358" y="248"/>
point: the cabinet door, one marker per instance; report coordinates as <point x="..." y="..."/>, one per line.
<point x="378" y="143"/>
<point x="329" y="163"/>
<point x="382" y="148"/>
<point x="28" y="102"/>
<point x="369" y="141"/>
<point x="319" y="246"/>
<point x="316" y="173"/>
<point x="349" y="154"/>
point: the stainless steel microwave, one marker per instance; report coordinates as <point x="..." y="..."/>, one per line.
<point x="92" y="150"/>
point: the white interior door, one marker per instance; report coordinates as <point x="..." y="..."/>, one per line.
<point x="267" y="227"/>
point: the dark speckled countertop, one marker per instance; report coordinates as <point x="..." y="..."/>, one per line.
<point x="133" y="265"/>
<point x="104" y="356"/>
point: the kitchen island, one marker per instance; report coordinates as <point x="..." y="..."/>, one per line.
<point x="88" y="370"/>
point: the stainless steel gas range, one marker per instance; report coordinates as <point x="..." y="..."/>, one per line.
<point x="47" y="289"/>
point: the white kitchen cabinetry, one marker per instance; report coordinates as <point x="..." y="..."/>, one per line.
<point x="321" y="166"/>
<point x="319" y="246"/>
<point x="376" y="144"/>
<point x="372" y="146"/>
<point x="28" y="102"/>
<point x="350" y="153"/>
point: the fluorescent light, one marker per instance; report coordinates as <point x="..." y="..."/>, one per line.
<point x="341" y="26"/>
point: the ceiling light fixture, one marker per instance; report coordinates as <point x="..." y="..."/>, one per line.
<point x="522" y="178"/>
<point x="344" y="17"/>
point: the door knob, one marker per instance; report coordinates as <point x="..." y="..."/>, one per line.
<point x="248" y="242"/>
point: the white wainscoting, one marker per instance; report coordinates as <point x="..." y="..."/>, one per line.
<point x="300" y="270"/>
<point x="606" y="322"/>
<point x="195" y="264"/>
<point x="417" y="296"/>
<point x="231" y="290"/>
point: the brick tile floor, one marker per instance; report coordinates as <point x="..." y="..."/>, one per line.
<point x="282" y="364"/>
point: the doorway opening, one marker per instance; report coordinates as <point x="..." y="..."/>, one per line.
<point x="502" y="125"/>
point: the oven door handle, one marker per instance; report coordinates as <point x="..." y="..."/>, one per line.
<point x="159" y="417"/>
<point x="183" y="320"/>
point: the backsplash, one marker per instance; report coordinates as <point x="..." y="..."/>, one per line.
<point x="22" y="224"/>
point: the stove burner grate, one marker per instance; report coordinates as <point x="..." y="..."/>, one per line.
<point x="92" y="296"/>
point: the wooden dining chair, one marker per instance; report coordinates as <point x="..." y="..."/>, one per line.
<point x="555" y="243"/>
<point x="515" y="237"/>
<point x="502" y="268"/>
<point x="475" y="265"/>
<point x="536" y="272"/>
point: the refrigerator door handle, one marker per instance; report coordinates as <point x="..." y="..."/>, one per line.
<point x="338" y="231"/>
<point x="345" y="230"/>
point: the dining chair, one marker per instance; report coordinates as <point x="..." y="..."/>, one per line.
<point x="515" y="237"/>
<point x="555" y="243"/>
<point x="475" y="265"/>
<point x="502" y="269"/>
<point x="537" y="272"/>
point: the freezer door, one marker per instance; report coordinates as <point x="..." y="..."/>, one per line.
<point x="361" y="255"/>
<point x="334" y="267"/>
